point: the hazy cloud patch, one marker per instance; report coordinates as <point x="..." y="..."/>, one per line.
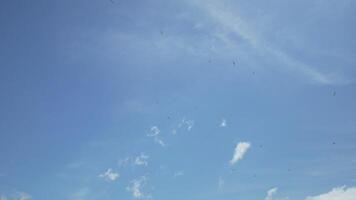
<point x="338" y="193"/>
<point x="223" y="123"/>
<point x="136" y="188"/>
<point x="154" y="132"/>
<point x="239" y="152"/>
<point x="141" y="160"/>
<point x="109" y="175"/>
<point x="178" y="173"/>
<point x="270" y="193"/>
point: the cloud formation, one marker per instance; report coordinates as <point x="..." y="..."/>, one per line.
<point x="178" y="173"/>
<point x="159" y="141"/>
<point x="186" y="123"/>
<point x="16" y="196"/>
<point x="240" y="150"/>
<point x="109" y="175"/>
<point x="80" y="194"/>
<point x="221" y="183"/>
<point x="154" y="132"/>
<point x="270" y="193"/>
<point x="230" y="22"/>
<point x="135" y="187"/>
<point x="338" y="193"/>
<point x="223" y="123"/>
<point x="23" y="196"/>
<point x="141" y="160"/>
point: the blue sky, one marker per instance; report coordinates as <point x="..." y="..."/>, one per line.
<point x="198" y="99"/>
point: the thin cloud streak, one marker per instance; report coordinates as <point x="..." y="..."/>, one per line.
<point x="270" y="193"/>
<point x="232" y="22"/>
<point x="109" y="175"/>
<point x="240" y="150"/>
<point x="338" y="193"/>
<point x="136" y="186"/>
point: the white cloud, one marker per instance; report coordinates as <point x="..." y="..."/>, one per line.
<point x="240" y="150"/>
<point x="109" y="175"/>
<point x="80" y="194"/>
<point x="141" y="160"/>
<point x="221" y="183"/>
<point x="22" y="196"/>
<point x="125" y="162"/>
<point x="16" y="196"/>
<point x="154" y="131"/>
<point x="136" y="186"/>
<point x="178" y="173"/>
<point x="159" y="141"/>
<point x="270" y="193"/>
<point x="338" y="193"/>
<point x="230" y="22"/>
<point x="190" y="124"/>
<point x="186" y="123"/>
<point x="223" y="123"/>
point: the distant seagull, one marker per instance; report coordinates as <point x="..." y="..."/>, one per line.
<point x="162" y="33"/>
<point x="334" y="93"/>
<point x="233" y="63"/>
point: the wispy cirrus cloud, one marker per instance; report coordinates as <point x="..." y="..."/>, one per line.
<point x="270" y="193"/>
<point x="109" y="175"/>
<point x="80" y="194"/>
<point x="136" y="187"/>
<point x="186" y="123"/>
<point x="16" y="196"/>
<point x="178" y="173"/>
<point x="141" y="160"/>
<point x="221" y="183"/>
<point x="231" y="23"/>
<point x="223" y="123"/>
<point x="154" y="132"/>
<point x="338" y="193"/>
<point x="239" y="152"/>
